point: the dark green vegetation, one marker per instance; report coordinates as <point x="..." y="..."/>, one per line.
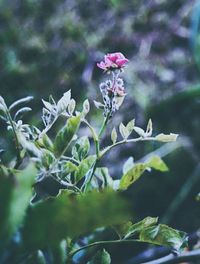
<point x="48" y="47"/>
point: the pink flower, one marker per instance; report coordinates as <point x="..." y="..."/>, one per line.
<point x="113" y="61"/>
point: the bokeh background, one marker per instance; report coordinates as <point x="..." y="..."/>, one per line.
<point x="48" y="47"/>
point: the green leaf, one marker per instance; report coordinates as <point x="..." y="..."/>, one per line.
<point x="158" y="164"/>
<point x="81" y="148"/>
<point x="84" y="167"/>
<point x="132" y="175"/>
<point x="138" y="227"/>
<point x="114" y="135"/>
<point x="72" y="216"/>
<point x="65" y="135"/>
<point x="47" y="158"/>
<point x="69" y="167"/>
<point x="137" y="170"/>
<point x="15" y="192"/>
<point x="165" y="236"/>
<point x="101" y="257"/>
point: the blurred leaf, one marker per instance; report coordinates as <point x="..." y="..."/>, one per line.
<point x="65" y="135"/>
<point x="114" y="135"/>
<point x="81" y="148"/>
<point x="98" y="105"/>
<point x="158" y="164"/>
<point x="84" y="167"/>
<point x="36" y="258"/>
<point x="72" y="215"/>
<point x="165" y="236"/>
<point x="101" y="257"/>
<point x="137" y="170"/>
<point x="15" y="192"/>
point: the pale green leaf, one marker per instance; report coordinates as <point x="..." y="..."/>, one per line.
<point x="71" y="106"/>
<point x="139" y="131"/>
<point x="64" y="102"/>
<point x="149" y="129"/>
<point x="86" y="107"/>
<point x="123" y="131"/>
<point x="130" y="126"/>
<point x="114" y="135"/>
<point x="166" y="137"/>
<point x="19" y="102"/>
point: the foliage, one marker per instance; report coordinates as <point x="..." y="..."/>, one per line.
<point x="73" y="195"/>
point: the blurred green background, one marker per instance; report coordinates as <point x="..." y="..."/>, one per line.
<point x="48" y="47"/>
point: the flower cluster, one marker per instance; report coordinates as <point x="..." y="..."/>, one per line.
<point x="113" y="91"/>
<point x="113" y="61"/>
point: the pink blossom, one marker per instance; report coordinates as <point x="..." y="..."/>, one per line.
<point x="113" y="61"/>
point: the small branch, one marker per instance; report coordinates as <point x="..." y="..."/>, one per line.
<point x="133" y="140"/>
<point x="99" y="243"/>
<point x="171" y="259"/>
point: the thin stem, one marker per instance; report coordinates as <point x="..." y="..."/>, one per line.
<point x="94" y="135"/>
<point x="71" y="159"/>
<point x="99" y="243"/>
<point x="133" y="140"/>
<point x="106" y="119"/>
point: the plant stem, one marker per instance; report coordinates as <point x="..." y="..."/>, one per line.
<point x="126" y="141"/>
<point x="99" y="243"/>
